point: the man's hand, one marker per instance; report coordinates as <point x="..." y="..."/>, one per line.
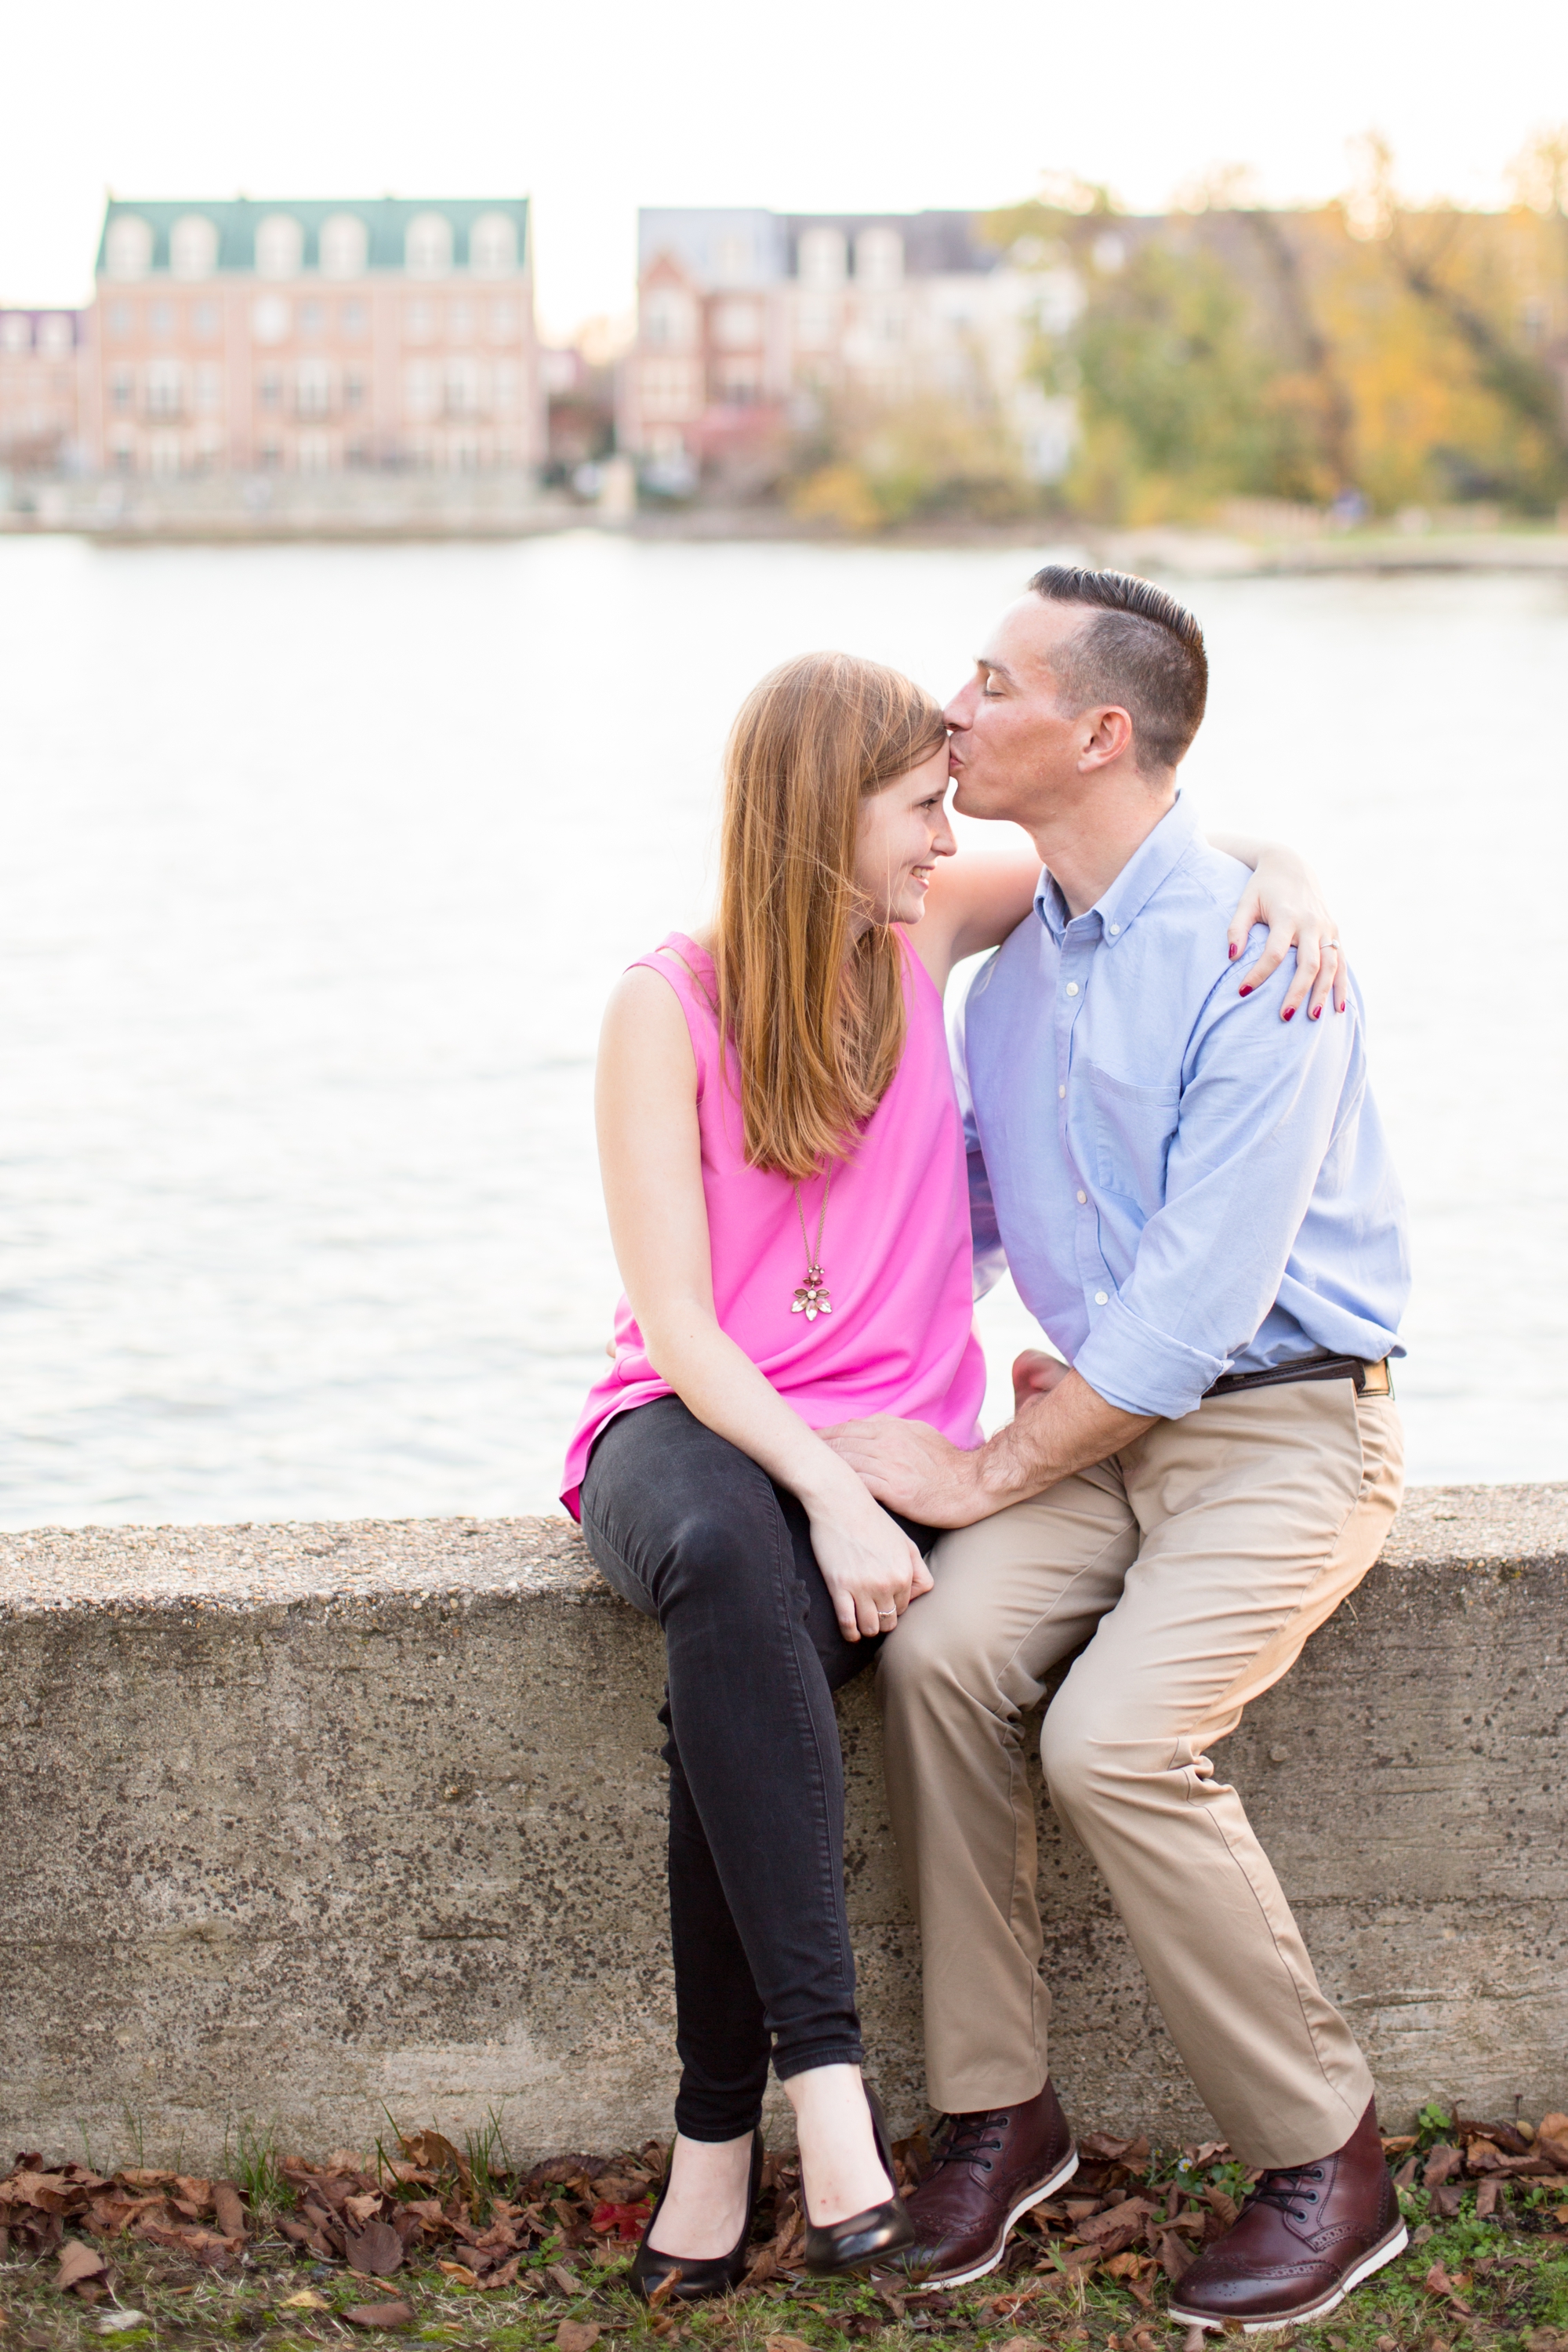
<point x="1060" y="1426"/>
<point x="912" y="1468"/>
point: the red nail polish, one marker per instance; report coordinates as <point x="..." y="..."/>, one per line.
<point x="1235" y="950"/>
<point x="1289" y="1016"/>
<point x="1317" y="1012"/>
<point x="1245" y="990"/>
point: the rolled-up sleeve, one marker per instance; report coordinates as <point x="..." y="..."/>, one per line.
<point x="1260" y="1104"/>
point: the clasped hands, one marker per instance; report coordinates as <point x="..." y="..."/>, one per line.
<point x="911" y="1468"/>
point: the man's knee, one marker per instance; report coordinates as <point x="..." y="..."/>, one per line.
<point x="938" y="1657"/>
<point x="1093" y="1759"/>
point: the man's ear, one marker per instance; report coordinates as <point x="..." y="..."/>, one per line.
<point x="1109" y="734"/>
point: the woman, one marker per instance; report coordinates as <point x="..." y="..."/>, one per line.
<point x="783" y="1168"/>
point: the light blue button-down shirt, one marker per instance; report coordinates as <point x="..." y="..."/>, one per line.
<point x="1182" y="1184"/>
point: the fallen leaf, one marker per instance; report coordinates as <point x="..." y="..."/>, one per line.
<point x="1441" y="2165"/>
<point x="1407" y="2171"/>
<point x="1552" y="2127"/>
<point x="1438" y="2282"/>
<point x="505" y="2276"/>
<point x="1022" y="2344"/>
<point x="361" y="2209"/>
<point x="116" y="2323"/>
<point x="578" y="2335"/>
<point x="379" y="2315"/>
<point x="1398" y="2142"/>
<point x="306" y="2299"/>
<point x="77" y="2262"/>
<point x="1446" y="2201"/>
<point x="1176" y="2257"/>
<point x="375" y="2251"/>
<point x="461" y="2271"/>
<point x="433" y="2149"/>
<point x="786" y="2343"/>
<point x="229" y="2209"/>
<point x="1489" y="2197"/>
<point x="563" y="2281"/>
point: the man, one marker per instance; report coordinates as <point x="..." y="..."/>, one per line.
<point x="1196" y="1204"/>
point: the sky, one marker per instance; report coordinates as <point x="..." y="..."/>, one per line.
<point x="827" y="105"/>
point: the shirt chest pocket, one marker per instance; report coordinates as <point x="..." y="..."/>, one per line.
<point x="1130" y="1129"/>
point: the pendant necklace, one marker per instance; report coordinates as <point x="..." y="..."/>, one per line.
<point x="811" y="1297"/>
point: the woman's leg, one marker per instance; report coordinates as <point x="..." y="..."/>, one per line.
<point x="693" y="1531"/>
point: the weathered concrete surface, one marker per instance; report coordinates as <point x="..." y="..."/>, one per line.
<point x="307" y="1824"/>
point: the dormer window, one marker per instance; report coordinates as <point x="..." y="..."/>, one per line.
<point x="427" y="246"/>
<point x="343" y="247"/>
<point x="128" y="248"/>
<point x="193" y="246"/>
<point x="492" y="246"/>
<point x="279" y="247"/>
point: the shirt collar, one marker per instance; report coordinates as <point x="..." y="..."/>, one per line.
<point x="1123" y="900"/>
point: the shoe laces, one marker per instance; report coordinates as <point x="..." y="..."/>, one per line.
<point x="1282" y="2186"/>
<point x="965" y="2142"/>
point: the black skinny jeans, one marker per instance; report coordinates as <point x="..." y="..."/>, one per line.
<point x="691" y="1531"/>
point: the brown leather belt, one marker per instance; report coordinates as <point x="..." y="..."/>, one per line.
<point x="1371" y="1379"/>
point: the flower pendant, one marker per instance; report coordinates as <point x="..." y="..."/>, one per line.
<point x="811" y="1297"/>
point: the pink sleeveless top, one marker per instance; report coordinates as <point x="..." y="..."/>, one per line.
<point x="895" y="1253"/>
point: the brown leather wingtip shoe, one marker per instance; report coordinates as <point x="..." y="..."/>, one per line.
<point x="989" y="2168"/>
<point x="1306" y="2236"/>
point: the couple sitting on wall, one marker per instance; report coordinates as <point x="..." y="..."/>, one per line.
<point x="1190" y="1186"/>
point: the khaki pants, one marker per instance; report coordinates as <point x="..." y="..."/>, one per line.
<point x="1193" y="1565"/>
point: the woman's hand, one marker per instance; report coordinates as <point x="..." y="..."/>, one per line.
<point x="1284" y="895"/>
<point x="870" y="1568"/>
<point x="1035" y="1374"/>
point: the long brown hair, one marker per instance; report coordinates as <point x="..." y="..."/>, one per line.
<point x="815" y="1014"/>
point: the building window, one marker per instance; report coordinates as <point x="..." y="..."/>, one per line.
<point x="270" y="389"/>
<point x="313" y="388"/>
<point x="503" y="322"/>
<point x="460" y="323"/>
<point x="492" y="246"/>
<point x="121" y="387"/>
<point x="160" y="321"/>
<point x="128" y="247"/>
<point x="419" y="322"/>
<point x="271" y="456"/>
<point x="15" y="331"/>
<point x="669" y="318"/>
<point x="343" y="247"/>
<point x="193" y="246"/>
<point x="820" y="257"/>
<point x="734" y="259"/>
<point x="740" y="383"/>
<point x="124" y="453"/>
<point x="271" y="319"/>
<point x="209" y="385"/>
<point x="120" y="322"/>
<point x="311" y="321"/>
<point x="205" y="319"/>
<point x="505" y="385"/>
<point x="815" y="324"/>
<point x="351" y="320"/>
<point x="879" y="258"/>
<point x="55" y="336"/>
<point x="419" y="388"/>
<point x="884" y="321"/>
<point x="165" y="388"/>
<point x="354" y="391"/>
<point x="427" y="246"/>
<point x="279" y="247"/>
<point x="462" y="388"/>
<point x="668" y="388"/>
<point x="737" y="326"/>
<point x="314" y="452"/>
<point x="164" y="452"/>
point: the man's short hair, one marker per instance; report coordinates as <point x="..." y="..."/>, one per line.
<point x="1137" y="649"/>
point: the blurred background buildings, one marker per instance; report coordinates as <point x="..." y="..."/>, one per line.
<point x="1303" y="369"/>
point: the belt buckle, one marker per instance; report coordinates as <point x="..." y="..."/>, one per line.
<point x="1375" y="1380"/>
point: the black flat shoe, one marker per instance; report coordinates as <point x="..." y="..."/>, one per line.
<point x="866" y="2238"/>
<point x="693" y="2277"/>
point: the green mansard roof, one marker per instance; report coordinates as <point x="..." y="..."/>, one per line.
<point x="385" y="219"/>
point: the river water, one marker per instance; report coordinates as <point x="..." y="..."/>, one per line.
<point x="318" y="864"/>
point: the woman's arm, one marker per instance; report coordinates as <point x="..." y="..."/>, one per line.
<point x="1284" y="895"/>
<point x="651" y="1155"/>
<point x="976" y="898"/>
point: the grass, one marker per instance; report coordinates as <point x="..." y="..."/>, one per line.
<point x="1514" y="2274"/>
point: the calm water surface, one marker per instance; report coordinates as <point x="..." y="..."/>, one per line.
<point x="319" y="863"/>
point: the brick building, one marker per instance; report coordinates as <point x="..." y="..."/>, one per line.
<point x="743" y="316"/>
<point x="314" y="337"/>
<point x="44" y="356"/>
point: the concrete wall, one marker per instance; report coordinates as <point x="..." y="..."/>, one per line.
<point x="307" y="1824"/>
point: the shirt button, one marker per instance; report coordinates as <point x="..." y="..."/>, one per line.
<point x="1072" y="988"/>
<point x="1099" y="1298"/>
<point x="1116" y="931"/>
<point x="1061" y="1093"/>
<point x="1083" y="1200"/>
